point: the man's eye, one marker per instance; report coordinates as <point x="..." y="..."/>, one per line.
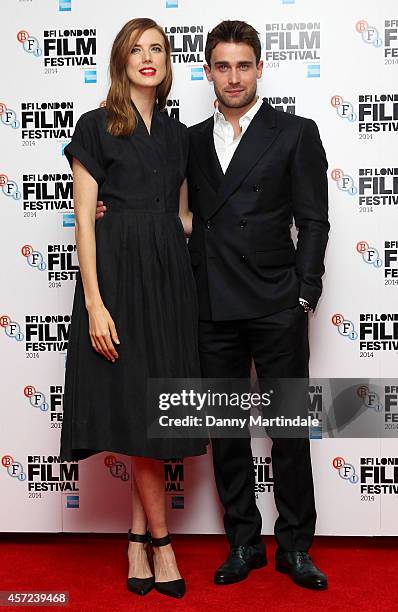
<point x="222" y="67"/>
<point x="244" y="66"/>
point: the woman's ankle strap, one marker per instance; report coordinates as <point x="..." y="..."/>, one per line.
<point x="161" y="541"/>
<point x="142" y="538"/>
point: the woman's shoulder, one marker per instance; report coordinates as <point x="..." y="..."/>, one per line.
<point x="95" y="118"/>
<point x="179" y="129"/>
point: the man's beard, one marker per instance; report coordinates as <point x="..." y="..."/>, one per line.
<point x="239" y="103"/>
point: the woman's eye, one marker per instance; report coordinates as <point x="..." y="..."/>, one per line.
<point x="135" y="50"/>
<point x="157" y="49"/>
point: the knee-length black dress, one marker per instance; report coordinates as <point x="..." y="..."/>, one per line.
<point x="146" y="283"/>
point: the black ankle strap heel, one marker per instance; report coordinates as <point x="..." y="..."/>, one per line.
<point x="139" y="586"/>
<point x="160" y="541"/>
<point x="172" y="588"/>
<point x="142" y="538"/>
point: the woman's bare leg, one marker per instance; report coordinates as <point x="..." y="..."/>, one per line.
<point x="138" y="560"/>
<point x="139" y="520"/>
<point x="149" y="476"/>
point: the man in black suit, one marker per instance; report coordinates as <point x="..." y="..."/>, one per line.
<point x="252" y="170"/>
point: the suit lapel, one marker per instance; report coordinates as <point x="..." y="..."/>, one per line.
<point x="203" y="143"/>
<point x="258" y="137"/>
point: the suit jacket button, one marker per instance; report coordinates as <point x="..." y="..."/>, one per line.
<point x="243" y="258"/>
<point x="208" y="224"/>
<point x="196" y="187"/>
<point x="243" y="223"/>
<point x="256" y="187"/>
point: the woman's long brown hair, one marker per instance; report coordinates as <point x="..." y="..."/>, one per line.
<point x="121" y="118"/>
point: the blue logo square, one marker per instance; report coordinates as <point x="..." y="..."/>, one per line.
<point x="197" y="73"/>
<point x="171" y="3"/>
<point x="65" y="5"/>
<point x="177" y="502"/>
<point x="316" y="432"/>
<point x="90" y="76"/>
<point x="313" y="71"/>
<point x="68" y="220"/>
<point x="72" y="501"/>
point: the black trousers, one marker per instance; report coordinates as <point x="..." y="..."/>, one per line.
<point x="278" y="344"/>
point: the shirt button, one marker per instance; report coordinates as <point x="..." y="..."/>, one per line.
<point x="243" y="223"/>
<point x="208" y="224"/>
<point x="243" y="258"/>
<point x="155" y="171"/>
<point x="256" y="187"/>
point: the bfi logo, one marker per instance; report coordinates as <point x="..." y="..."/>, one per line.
<point x="344" y="326"/>
<point x="344" y="109"/>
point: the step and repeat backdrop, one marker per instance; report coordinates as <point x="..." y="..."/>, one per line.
<point x="334" y="62"/>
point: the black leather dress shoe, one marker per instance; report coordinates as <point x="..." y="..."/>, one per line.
<point x="240" y="561"/>
<point x="301" y="569"/>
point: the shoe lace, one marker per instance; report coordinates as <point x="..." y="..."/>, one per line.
<point x="303" y="556"/>
<point x="237" y="551"/>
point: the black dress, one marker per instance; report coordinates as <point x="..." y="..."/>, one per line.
<point x="146" y="283"/>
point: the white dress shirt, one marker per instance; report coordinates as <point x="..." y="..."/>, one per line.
<point x="223" y="134"/>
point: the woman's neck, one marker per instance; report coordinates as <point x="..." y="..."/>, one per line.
<point x="144" y="100"/>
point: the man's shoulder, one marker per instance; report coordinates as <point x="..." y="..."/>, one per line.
<point x="197" y="127"/>
<point x="290" y="120"/>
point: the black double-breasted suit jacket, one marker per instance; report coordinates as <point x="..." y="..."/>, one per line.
<point x="244" y="260"/>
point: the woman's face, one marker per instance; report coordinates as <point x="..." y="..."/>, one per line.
<point x="146" y="66"/>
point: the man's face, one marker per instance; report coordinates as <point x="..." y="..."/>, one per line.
<point x="234" y="73"/>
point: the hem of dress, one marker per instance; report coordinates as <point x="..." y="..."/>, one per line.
<point x="79" y="454"/>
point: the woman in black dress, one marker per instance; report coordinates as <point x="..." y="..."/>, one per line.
<point x="134" y="311"/>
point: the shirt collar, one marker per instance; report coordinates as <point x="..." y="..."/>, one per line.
<point x="247" y="117"/>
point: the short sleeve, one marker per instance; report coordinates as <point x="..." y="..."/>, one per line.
<point x="85" y="146"/>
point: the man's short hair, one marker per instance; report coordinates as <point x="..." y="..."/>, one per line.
<point x="233" y="31"/>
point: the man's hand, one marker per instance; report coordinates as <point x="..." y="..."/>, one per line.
<point x="100" y="210"/>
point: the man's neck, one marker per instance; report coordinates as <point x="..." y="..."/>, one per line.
<point x="234" y="114"/>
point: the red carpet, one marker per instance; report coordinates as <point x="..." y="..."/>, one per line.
<point x="362" y="575"/>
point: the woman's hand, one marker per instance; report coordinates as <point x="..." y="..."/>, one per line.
<point x="186" y="221"/>
<point x="184" y="213"/>
<point x="100" y="210"/>
<point x="102" y="332"/>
